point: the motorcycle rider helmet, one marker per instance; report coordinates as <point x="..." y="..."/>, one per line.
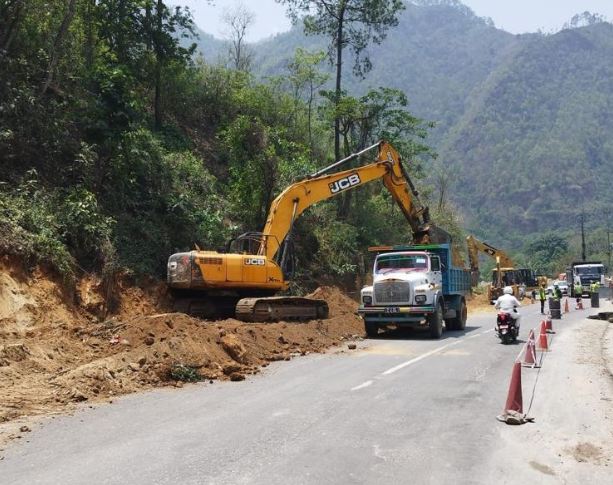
<point x="507" y="290"/>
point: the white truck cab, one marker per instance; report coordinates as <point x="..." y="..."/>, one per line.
<point x="413" y="286"/>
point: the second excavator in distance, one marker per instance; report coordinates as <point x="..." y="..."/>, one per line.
<point x="242" y="279"/>
<point x="504" y="274"/>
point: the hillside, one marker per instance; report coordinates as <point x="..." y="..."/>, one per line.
<point x="542" y="124"/>
<point x="533" y="105"/>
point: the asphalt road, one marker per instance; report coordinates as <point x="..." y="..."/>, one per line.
<point x="405" y="409"/>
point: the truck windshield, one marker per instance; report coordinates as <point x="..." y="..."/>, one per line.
<point x="590" y="270"/>
<point x="407" y="262"/>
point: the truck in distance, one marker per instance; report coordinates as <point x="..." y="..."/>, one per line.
<point x="415" y="286"/>
<point x="586" y="273"/>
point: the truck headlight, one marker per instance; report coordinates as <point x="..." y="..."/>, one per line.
<point x="367" y="299"/>
<point x="420" y="299"/>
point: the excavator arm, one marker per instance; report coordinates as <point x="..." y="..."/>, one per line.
<point x="475" y="246"/>
<point x="503" y="261"/>
<point x="295" y="199"/>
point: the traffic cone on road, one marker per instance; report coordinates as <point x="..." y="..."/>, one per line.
<point x="543" y="344"/>
<point x="530" y="351"/>
<point x="513" y="412"/>
<point x="549" y="324"/>
<point x="514" y="396"/>
<point x="580" y="304"/>
<point x="566" y="307"/>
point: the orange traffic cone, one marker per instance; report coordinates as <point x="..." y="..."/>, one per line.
<point x="543" y="343"/>
<point x="530" y="351"/>
<point x="549" y="324"/>
<point x="580" y="304"/>
<point x="566" y="307"/>
<point x="514" y="409"/>
<point x="514" y="396"/>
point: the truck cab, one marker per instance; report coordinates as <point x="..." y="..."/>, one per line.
<point x="415" y="286"/>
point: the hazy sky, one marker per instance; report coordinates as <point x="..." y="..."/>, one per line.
<point x="516" y="16"/>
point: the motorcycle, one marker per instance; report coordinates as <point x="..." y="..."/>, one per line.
<point x="506" y="328"/>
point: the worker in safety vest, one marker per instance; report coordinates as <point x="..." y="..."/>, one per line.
<point x="578" y="292"/>
<point x="594" y="287"/>
<point x="542" y="298"/>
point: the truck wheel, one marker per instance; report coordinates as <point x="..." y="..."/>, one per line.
<point x="459" y="322"/>
<point x="435" y="322"/>
<point x="372" y="329"/>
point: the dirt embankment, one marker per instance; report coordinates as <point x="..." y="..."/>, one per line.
<point x="54" y="353"/>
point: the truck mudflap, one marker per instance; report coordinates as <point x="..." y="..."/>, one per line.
<point x="392" y="314"/>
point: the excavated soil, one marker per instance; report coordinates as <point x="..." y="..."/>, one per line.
<point x="58" y="349"/>
<point x="55" y="353"/>
<point x="479" y="303"/>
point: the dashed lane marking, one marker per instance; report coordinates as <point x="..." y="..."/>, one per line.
<point x="417" y="359"/>
<point x="362" y="386"/>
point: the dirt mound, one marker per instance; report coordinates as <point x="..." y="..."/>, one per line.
<point x="478" y="303"/>
<point x="338" y="302"/>
<point x="54" y="353"/>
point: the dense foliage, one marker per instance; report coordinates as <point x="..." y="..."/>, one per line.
<point x="118" y="147"/>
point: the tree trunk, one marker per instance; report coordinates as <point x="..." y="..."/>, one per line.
<point x="337" y="97"/>
<point x="9" y="26"/>
<point x="89" y="48"/>
<point x="57" y="44"/>
<point x="310" y="117"/>
<point x="157" y="107"/>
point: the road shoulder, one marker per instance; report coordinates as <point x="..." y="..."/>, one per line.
<point x="572" y="438"/>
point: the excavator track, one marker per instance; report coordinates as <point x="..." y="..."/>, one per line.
<point x="276" y="308"/>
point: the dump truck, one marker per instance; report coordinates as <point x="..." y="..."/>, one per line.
<point x="415" y="286"/>
<point x="586" y="273"/>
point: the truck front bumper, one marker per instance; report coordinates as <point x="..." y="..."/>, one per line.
<point x="404" y="315"/>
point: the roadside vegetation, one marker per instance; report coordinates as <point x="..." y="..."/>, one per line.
<point x="120" y="144"/>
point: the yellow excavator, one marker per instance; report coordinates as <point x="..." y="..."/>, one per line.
<point x="504" y="267"/>
<point x="241" y="279"/>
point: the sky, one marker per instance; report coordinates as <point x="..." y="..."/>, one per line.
<point x="516" y="16"/>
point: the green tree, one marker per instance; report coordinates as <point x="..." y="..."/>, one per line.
<point x="347" y="23"/>
<point x="547" y="253"/>
<point x="305" y="79"/>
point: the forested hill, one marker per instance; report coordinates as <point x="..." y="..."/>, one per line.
<point x="519" y="118"/>
<point x="439" y="54"/>
<point x="539" y="128"/>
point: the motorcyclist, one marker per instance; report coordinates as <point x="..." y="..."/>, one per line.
<point x="507" y="303"/>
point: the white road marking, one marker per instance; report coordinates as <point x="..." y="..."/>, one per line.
<point x="362" y="386"/>
<point x="417" y="359"/>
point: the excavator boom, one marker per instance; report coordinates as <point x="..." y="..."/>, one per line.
<point x="295" y="199"/>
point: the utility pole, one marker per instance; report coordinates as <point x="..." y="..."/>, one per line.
<point x="582" y="235"/>
<point x="609" y="242"/>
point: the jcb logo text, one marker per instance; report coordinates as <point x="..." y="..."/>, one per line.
<point x="255" y="262"/>
<point x="345" y="183"/>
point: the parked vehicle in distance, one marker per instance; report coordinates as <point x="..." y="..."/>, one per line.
<point x="563" y="285"/>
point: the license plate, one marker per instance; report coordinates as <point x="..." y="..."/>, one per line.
<point x="504" y="327"/>
<point x="392" y="309"/>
